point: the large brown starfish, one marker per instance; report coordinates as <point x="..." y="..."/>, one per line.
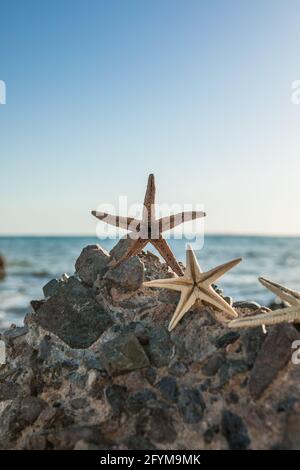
<point x="149" y="229"/>
<point x="195" y="286"/>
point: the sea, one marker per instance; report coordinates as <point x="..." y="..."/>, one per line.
<point x="33" y="261"/>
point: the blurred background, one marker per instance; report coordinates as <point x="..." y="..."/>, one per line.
<point x="100" y="94"/>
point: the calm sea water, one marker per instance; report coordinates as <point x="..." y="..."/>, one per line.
<point x="33" y="261"/>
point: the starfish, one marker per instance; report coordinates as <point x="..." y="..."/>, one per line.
<point x="196" y="285"/>
<point x="289" y="314"/>
<point x="149" y="229"/>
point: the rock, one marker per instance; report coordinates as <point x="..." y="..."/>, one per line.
<point x="191" y="404"/>
<point x="127" y="275"/>
<point x="138" y="443"/>
<point x="96" y="368"/>
<point x="137" y="401"/>
<point x="116" y="396"/>
<point x="122" y="354"/>
<point x="50" y="288"/>
<point x="160" y="347"/>
<point x="274" y="354"/>
<point x="78" y="403"/>
<point x="18" y="415"/>
<point x="252" y="340"/>
<point x="235" y="431"/>
<point x="161" y="427"/>
<point x="226" y="339"/>
<point x="2" y="267"/>
<point x="8" y="390"/>
<point x="168" y="388"/>
<point x="14" y="333"/>
<point x="121" y="248"/>
<point x="150" y="375"/>
<point x="156" y="424"/>
<point x="73" y="314"/>
<point x="92" y="262"/>
<point x="247" y="304"/>
<point x="67" y="438"/>
<point x="213" y="364"/>
<point x="177" y="368"/>
<point x="210" y="433"/>
<point x="291" y="433"/>
<point x="229" y="300"/>
<point x="286" y="405"/>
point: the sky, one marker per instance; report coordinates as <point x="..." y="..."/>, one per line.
<point x="102" y="93"/>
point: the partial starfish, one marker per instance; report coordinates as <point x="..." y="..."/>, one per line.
<point x="149" y="229"/>
<point x="289" y="314"/>
<point x="196" y="285"/>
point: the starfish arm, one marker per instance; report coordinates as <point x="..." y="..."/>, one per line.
<point x="289" y="295"/>
<point x="149" y="199"/>
<point x="175" y="283"/>
<point x="133" y="249"/>
<point x="116" y="220"/>
<point x="186" y="301"/>
<point x="211" y="297"/>
<point x="215" y="273"/>
<point x="171" y="221"/>
<point x="193" y="269"/>
<point x="290" y="314"/>
<point x="165" y="251"/>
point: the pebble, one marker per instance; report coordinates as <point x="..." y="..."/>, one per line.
<point x="235" y="431"/>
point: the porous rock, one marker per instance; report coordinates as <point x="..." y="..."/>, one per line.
<point x="95" y="367"/>
<point x="91" y="263"/>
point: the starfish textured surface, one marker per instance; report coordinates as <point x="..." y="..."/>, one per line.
<point x="196" y="285"/>
<point x="290" y="314"/>
<point x="149" y="229"/>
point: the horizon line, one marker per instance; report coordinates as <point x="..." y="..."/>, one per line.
<point x="210" y="234"/>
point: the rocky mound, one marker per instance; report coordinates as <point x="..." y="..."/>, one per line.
<point x="94" y="367"/>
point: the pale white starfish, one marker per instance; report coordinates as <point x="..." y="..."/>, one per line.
<point x="290" y="314"/>
<point x="196" y="285"/>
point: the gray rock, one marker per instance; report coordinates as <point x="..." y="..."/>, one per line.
<point x="156" y="424"/>
<point x="275" y="352"/>
<point x="78" y="403"/>
<point x="235" y="431"/>
<point x="213" y="364"/>
<point x="18" y="415"/>
<point x="67" y="438"/>
<point x="137" y="401"/>
<point x="229" y="300"/>
<point x="50" y="288"/>
<point x="228" y="338"/>
<point x="177" y="368"/>
<point x="291" y="434"/>
<point x="168" y="388"/>
<point x="160" y="347"/>
<point x="9" y="390"/>
<point x="73" y="315"/>
<point x="116" y="396"/>
<point x="150" y="375"/>
<point x="92" y="262"/>
<point x="14" y="333"/>
<point x="2" y="267"/>
<point x="191" y="404"/>
<point x="249" y="304"/>
<point x="122" y="354"/>
<point x="121" y="248"/>
<point x="252" y="340"/>
<point x="127" y="275"/>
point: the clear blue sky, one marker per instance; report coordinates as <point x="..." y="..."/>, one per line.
<point x="101" y="93"/>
